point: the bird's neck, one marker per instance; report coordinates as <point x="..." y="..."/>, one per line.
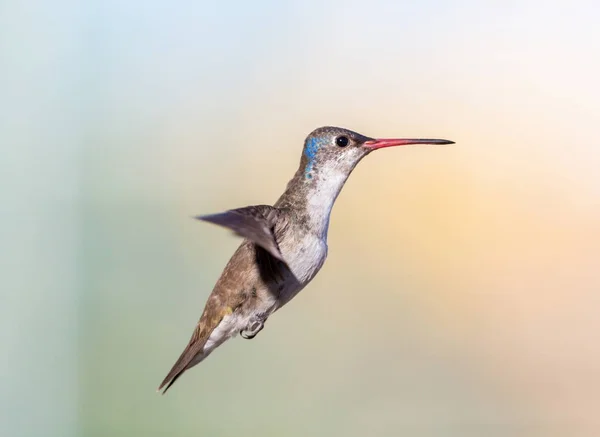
<point x="311" y="199"/>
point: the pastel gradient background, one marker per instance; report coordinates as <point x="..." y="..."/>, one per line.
<point x="462" y="292"/>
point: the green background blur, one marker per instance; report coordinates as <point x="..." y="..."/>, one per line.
<point x="462" y="292"/>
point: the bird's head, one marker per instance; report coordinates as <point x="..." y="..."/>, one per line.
<point x="335" y="150"/>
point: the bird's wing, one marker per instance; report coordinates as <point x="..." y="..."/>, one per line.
<point x="259" y="224"/>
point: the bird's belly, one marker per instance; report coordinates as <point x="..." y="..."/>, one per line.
<point x="304" y="260"/>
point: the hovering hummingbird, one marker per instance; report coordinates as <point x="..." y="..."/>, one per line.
<point x="284" y="246"/>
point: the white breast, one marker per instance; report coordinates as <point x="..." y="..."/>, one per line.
<point x="307" y="257"/>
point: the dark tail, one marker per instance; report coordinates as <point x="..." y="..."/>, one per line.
<point x="191" y="356"/>
<point x="169" y="381"/>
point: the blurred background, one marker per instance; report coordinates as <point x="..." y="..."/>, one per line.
<point x="461" y="296"/>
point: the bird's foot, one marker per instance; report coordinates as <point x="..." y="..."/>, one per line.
<point x="253" y="328"/>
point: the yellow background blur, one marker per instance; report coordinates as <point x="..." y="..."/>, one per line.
<point x="461" y="296"/>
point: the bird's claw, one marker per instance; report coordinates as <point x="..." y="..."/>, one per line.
<point x="253" y="328"/>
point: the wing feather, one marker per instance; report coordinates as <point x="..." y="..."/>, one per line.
<point x="258" y="223"/>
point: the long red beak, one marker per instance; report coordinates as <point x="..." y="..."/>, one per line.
<point x="391" y="142"/>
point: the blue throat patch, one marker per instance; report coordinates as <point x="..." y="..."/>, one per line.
<point x="310" y="151"/>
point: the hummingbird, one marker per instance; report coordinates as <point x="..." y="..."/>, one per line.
<point x="284" y="246"/>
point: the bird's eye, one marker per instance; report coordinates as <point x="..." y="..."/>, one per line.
<point x="341" y="141"/>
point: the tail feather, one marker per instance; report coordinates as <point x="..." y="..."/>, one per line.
<point x="200" y="345"/>
<point x="170" y="382"/>
<point x="188" y="358"/>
